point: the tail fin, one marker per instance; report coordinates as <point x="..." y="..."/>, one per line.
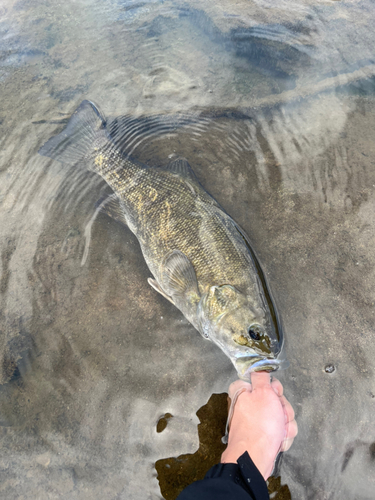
<point x="85" y="127"/>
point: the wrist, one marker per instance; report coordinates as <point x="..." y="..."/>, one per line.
<point x="261" y="452"/>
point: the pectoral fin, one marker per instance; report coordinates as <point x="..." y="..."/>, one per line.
<point x="178" y="275"/>
<point x="155" y="285"/>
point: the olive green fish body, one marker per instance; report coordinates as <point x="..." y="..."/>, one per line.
<point x="169" y="212"/>
<point x="200" y="258"/>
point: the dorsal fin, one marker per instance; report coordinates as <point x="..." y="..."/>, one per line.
<point x="180" y="166"/>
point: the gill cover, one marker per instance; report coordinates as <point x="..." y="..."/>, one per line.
<point x="215" y="304"/>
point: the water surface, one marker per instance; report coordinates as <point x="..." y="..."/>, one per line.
<point x="274" y="109"/>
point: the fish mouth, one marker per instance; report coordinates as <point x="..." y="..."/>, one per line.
<point x="269" y="365"/>
<point x="247" y="365"/>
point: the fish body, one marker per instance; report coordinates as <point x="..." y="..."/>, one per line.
<point x="200" y="258"/>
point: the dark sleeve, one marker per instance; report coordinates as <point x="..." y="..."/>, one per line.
<point x="240" y="481"/>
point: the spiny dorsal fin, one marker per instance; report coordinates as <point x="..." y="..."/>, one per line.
<point x="178" y="275"/>
<point x="180" y="166"/>
<point x="111" y="206"/>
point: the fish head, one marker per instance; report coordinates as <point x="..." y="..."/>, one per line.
<point x="248" y="333"/>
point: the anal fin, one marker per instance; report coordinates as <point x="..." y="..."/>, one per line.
<point x="111" y="206"/>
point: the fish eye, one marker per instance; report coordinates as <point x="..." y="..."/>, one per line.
<point x="254" y="334"/>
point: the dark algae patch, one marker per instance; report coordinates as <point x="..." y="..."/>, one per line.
<point x="163" y="422"/>
<point x="176" y="473"/>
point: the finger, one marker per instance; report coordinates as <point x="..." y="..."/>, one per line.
<point x="229" y="402"/>
<point x="292" y="432"/>
<point x="235" y="390"/>
<point x="236" y="386"/>
<point x="287" y="443"/>
<point x="288" y="409"/>
<point x="259" y="380"/>
<point x="277" y="386"/>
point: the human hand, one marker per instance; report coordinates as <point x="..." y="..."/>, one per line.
<point x="262" y="424"/>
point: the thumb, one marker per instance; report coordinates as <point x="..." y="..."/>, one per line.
<point x="260" y="380"/>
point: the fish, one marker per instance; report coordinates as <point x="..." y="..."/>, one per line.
<point x="200" y="258"/>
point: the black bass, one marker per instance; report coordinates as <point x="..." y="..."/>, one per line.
<point x="200" y="258"/>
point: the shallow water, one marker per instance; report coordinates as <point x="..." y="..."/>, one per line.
<point x="275" y="111"/>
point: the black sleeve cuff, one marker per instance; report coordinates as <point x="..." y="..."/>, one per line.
<point x="240" y="481"/>
<point x="245" y="474"/>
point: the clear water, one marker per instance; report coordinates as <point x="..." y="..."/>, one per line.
<point x="275" y="110"/>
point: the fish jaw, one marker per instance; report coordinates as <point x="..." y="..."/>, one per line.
<point x="246" y="359"/>
<point x="246" y="365"/>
